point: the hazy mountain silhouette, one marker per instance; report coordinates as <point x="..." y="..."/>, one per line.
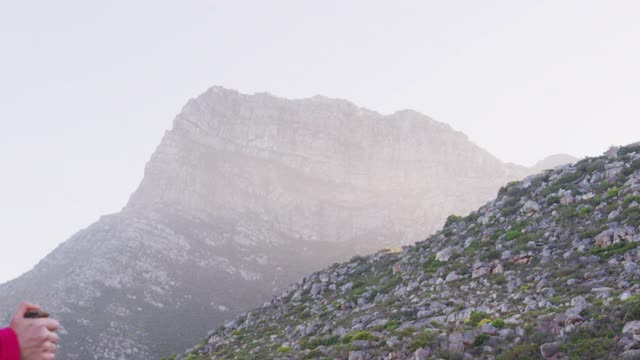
<point x="242" y="197"/>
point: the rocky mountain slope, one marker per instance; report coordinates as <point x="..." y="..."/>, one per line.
<point x="549" y="269"/>
<point x="242" y="197"/>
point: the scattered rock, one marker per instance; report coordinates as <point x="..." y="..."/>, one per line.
<point x="630" y="355"/>
<point x="632" y="328"/>
<point x="549" y="349"/>
<point x="531" y="207"/>
<point x="422" y="354"/>
<point x="453" y="276"/>
<point x="358" y="355"/>
<point x="446" y="253"/>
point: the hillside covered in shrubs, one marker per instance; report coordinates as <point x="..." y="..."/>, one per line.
<point x="547" y="270"/>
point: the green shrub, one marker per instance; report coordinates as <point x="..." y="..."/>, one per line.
<point x="553" y="199"/>
<point x="493" y="254"/>
<point x="406" y="332"/>
<point x="569" y="178"/>
<point x="635" y="166"/>
<point x="499" y="279"/>
<point x="513" y="234"/>
<point x="361" y="335"/>
<point x="591" y="165"/>
<point x="358" y="291"/>
<point x="313" y="354"/>
<point x="453" y="219"/>
<point x="510" y="189"/>
<point x="347" y="339"/>
<point x="613" y="192"/>
<point x="432" y="265"/>
<point x="584" y="344"/>
<point x="392" y="325"/>
<point x="283" y="349"/>
<point x="362" y="269"/>
<point x="472" y="248"/>
<point x="510" y="210"/>
<point x="567" y="212"/>
<point x="632" y="216"/>
<point x="611" y="207"/>
<point x="497" y="234"/>
<point x="422" y="340"/>
<point x="631" y="308"/>
<point x="630" y="199"/>
<point x="461" y="267"/>
<point x="584" y="211"/>
<point x="390" y="284"/>
<point x="551" y="189"/>
<point x="315" y="342"/>
<point x="617" y="248"/>
<point x="498" y="323"/>
<point x="524" y="351"/>
<point x="557" y="300"/>
<point x="593" y="232"/>
<point x="331" y="340"/>
<point x="481" y="339"/>
<point x="628" y="150"/>
<point x="475" y="318"/>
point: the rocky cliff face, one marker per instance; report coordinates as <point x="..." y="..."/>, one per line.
<point x="244" y="195"/>
<point x="297" y="166"/>
<point x="547" y="270"/>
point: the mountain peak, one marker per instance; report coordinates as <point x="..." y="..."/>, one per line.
<point x="250" y="192"/>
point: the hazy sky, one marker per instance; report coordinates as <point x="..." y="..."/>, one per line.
<point x="87" y="88"/>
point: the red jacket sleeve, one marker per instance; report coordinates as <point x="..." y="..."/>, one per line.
<point x="9" y="348"/>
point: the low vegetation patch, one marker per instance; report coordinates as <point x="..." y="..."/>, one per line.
<point x="360" y="335"/>
<point x="628" y="150"/>
<point x="432" y="264"/>
<point x="423" y="340"/>
<point x="475" y="318"/>
<point x="498" y="323"/>
<point x="481" y="339"/>
<point x="587" y="345"/>
<point x="613" y="192"/>
<point x="614" y="249"/>
<point x="453" y="219"/>
<point x="513" y="234"/>
<point x="629" y="200"/>
<point x="524" y="351"/>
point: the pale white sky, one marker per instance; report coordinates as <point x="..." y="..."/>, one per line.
<point x="87" y="88"/>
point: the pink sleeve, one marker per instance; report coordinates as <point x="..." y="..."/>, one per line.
<point x="9" y="349"/>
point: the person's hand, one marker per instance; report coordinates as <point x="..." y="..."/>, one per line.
<point x="37" y="337"/>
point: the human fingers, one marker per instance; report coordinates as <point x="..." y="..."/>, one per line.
<point x="49" y="324"/>
<point x="52" y="337"/>
<point x="49" y="347"/>
<point x="48" y="356"/>
<point x="25" y="307"/>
